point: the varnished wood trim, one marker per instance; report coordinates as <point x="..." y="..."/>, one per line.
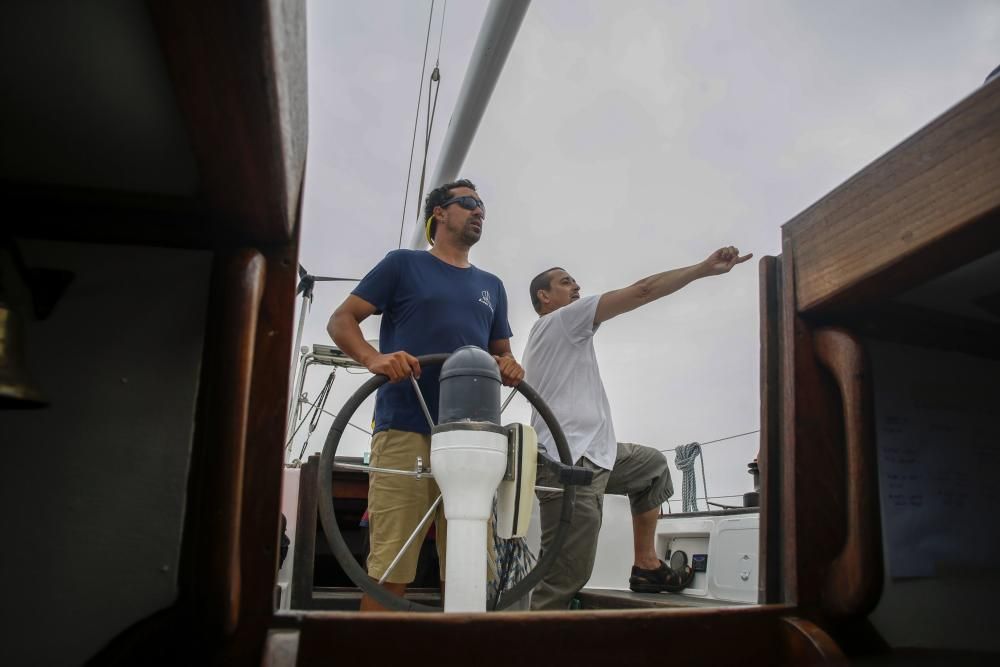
<point x="854" y="582"/>
<point x="769" y="456"/>
<point x="224" y="401"/>
<point x="754" y="635"/>
<point x="789" y="326"/>
<point x="813" y="487"/>
<point x="238" y="69"/>
<point x="265" y="456"/>
<point x="927" y="206"/>
<point x="807" y="644"/>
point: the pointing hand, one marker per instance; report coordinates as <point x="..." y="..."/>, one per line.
<point x="723" y="259"/>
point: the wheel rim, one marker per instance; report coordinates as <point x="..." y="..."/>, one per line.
<point x="342" y="552"/>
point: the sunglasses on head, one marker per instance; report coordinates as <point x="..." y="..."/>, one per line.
<point x="467" y="202"/>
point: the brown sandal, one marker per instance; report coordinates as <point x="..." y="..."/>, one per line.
<point x="663" y="578"/>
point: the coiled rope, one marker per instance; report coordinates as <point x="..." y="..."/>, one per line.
<point x="684" y="458"/>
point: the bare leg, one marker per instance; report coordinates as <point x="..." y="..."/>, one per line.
<point x="643" y="532"/>
<point x="369" y="604"/>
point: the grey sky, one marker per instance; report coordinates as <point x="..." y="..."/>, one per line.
<point x="624" y="139"/>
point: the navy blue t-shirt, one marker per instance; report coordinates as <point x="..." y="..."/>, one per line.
<point x="428" y="306"/>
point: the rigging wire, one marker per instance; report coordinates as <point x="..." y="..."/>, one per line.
<point x="701" y="459"/>
<point x="435" y="78"/>
<point x="291" y="438"/>
<point x="416" y="120"/>
<point x="325" y="411"/>
<point x="671" y="449"/>
<point x="321" y="401"/>
<point x="324" y="394"/>
<point x="435" y="83"/>
<point x="444" y="11"/>
<point x="705" y="498"/>
<point x="313" y="411"/>
<point x="728" y="437"/>
<point x="731" y="495"/>
<point x="662" y="451"/>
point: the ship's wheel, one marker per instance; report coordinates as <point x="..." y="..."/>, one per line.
<point x="343" y="553"/>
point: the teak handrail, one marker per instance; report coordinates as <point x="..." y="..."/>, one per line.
<point x="237" y="290"/>
<point x="854" y="582"/>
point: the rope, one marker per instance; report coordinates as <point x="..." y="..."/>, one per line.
<point x="514" y="561"/>
<point x="416" y="119"/>
<point x="687" y="454"/>
<point x="684" y="460"/>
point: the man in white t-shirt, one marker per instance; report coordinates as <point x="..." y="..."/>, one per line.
<point x="561" y="365"/>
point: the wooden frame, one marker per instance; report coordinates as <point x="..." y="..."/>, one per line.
<point x="928" y="206"/>
<point x="238" y="69"/>
<point x="770" y="582"/>
<point x="238" y="72"/>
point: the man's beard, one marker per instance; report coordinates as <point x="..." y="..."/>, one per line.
<point x="469" y="234"/>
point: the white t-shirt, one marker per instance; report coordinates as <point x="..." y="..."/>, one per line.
<point x="561" y="365"/>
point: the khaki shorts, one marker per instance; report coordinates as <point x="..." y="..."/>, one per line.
<point x="396" y="503"/>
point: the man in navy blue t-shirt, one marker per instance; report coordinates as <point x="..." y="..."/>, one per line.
<point x="430" y="302"/>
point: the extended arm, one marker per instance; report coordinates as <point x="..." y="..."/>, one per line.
<point x="653" y="287"/>
<point x="345" y="329"/>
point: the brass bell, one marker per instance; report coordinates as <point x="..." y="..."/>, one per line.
<point x="16" y="391"/>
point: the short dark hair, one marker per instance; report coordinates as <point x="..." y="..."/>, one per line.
<point x="440" y="195"/>
<point x="542" y="281"/>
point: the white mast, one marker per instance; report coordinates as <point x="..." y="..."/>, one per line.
<point x="500" y="26"/>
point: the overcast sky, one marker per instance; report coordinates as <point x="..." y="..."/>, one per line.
<point x="626" y="138"/>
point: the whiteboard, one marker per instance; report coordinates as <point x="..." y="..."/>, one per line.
<point x="939" y="459"/>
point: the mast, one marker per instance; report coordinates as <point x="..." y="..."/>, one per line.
<point x="500" y="26"/>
